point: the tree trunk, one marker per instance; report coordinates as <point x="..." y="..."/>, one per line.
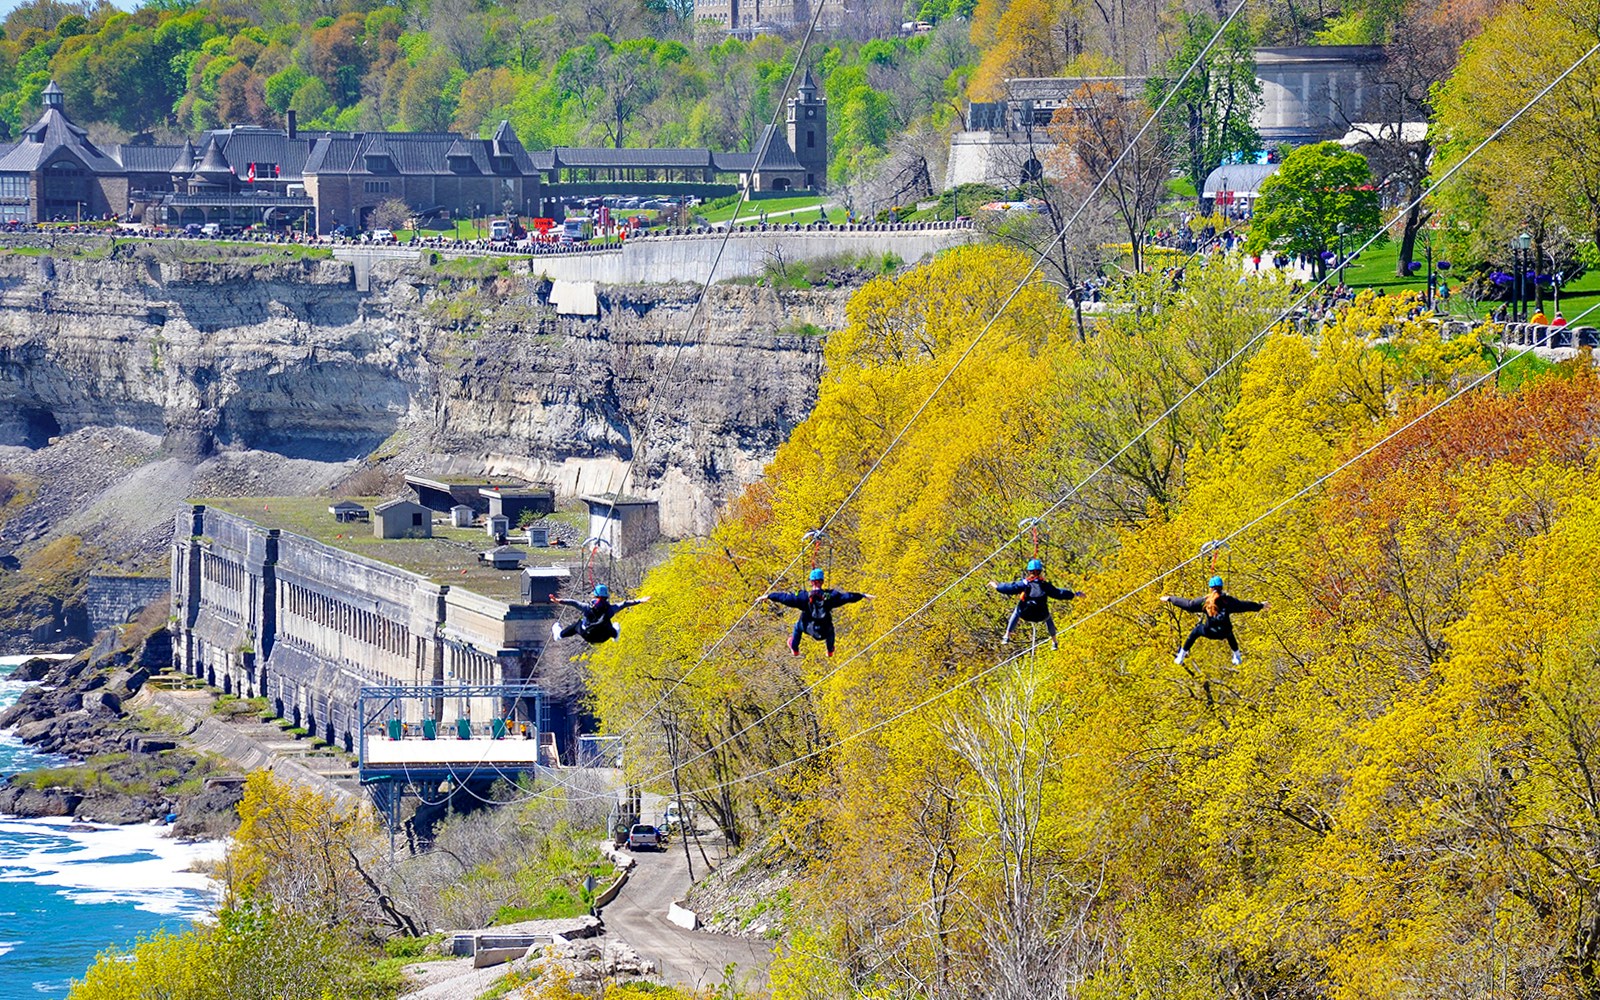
<point x="1538" y="261"/>
<point x="1408" y="240"/>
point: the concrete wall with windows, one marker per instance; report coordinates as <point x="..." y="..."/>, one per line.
<point x="261" y="612"/>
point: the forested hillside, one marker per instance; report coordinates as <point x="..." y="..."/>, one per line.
<point x="608" y="72"/>
<point x="599" y="72"/>
<point x="1390" y="797"/>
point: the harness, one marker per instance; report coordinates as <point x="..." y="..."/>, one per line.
<point x="818" y="617"/>
<point x="1031" y="602"/>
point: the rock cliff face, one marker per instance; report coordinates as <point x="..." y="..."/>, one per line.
<point x="462" y="366"/>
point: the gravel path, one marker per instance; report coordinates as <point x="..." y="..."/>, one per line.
<point x="454" y="979"/>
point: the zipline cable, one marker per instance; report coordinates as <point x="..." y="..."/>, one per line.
<point x="1039" y="260"/>
<point x="766" y="141"/>
<point x="965" y="682"/>
<point x="699" y="302"/>
<point x="811" y="687"/>
<point x="1057" y="505"/>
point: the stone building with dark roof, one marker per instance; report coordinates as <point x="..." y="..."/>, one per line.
<point x="435" y="173"/>
<point x="247" y="174"/>
<point x="55" y="172"/>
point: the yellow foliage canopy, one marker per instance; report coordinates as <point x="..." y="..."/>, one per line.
<point x="1388" y="797"/>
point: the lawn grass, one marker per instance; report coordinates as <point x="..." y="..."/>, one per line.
<point x="772" y="206"/>
<point x="1375" y="268"/>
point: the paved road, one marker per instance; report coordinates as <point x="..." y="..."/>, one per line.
<point x="689" y="958"/>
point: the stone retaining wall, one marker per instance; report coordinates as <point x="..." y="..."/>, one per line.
<point x="113" y="600"/>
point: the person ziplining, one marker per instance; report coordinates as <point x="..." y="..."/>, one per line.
<point x="816" y="610"/>
<point x="1034" y="594"/>
<point x="1216" y="622"/>
<point x="595" y="625"/>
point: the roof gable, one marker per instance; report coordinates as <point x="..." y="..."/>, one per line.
<point x="46" y="138"/>
<point x="777" y="155"/>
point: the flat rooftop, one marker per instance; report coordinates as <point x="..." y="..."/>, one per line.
<point x="615" y="500"/>
<point x="449" y="557"/>
<point x="445" y="482"/>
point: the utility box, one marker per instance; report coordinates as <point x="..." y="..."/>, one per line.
<point x="540" y="583"/>
<point x="628" y="524"/>
<point x="503" y="557"/>
<point x="461" y="516"/>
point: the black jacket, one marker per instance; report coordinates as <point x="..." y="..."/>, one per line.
<point x="815" y="606"/>
<point x="1219" y="623"/>
<point x="596" y="613"/>
<point x="1034" y="597"/>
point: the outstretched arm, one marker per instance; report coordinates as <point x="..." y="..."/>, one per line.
<point x="1238" y="606"/>
<point x="786" y="599"/>
<point x="839" y="597"/>
<point x="628" y="604"/>
<point x="569" y="602"/>
<point x="1190" y="604"/>
<point x="1011" y="589"/>
<point x="1058" y="594"/>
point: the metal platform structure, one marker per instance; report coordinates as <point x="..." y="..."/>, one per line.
<point x="410" y="747"/>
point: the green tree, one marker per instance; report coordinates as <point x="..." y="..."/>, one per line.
<point x="427" y="101"/>
<point x="1317" y="189"/>
<point x="630" y="76"/>
<point x="1542" y="174"/>
<point x="1208" y="118"/>
<point x="312" y="101"/>
<point x="252" y="952"/>
<point x="282" y="86"/>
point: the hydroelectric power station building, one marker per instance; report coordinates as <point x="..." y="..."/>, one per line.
<point x="306" y="604"/>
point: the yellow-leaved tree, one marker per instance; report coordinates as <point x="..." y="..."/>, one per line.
<point x="1385" y="798"/>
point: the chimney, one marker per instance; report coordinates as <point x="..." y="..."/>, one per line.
<point x="294" y="128"/>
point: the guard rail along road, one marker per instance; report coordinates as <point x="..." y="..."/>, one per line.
<point x="687" y="254"/>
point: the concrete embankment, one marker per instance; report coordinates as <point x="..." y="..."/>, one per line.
<point x="690" y="257"/>
<point x="248" y="746"/>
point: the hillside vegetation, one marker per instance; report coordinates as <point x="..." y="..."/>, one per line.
<point x="1390" y="797"/>
<point x="605" y="72"/>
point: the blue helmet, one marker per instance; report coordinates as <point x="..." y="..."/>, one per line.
<point x="1035" y="566"/>
<point x="816" y="576"/>
<point x="601" y="590"/>
<point x="1215" y="581"/>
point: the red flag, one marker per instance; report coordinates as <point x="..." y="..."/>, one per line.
<point x="251" y="177"/>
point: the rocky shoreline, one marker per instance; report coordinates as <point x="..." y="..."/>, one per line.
<point x="123" y="769"/>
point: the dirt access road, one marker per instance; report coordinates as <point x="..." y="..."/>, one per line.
<point x="688" y="958"/>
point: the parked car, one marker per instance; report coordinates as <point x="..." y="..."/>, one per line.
<point x="383" y="236"/>
<point x="211" y="229"/>
<point x="644" y="837"/>
<point x="679" y="816"/>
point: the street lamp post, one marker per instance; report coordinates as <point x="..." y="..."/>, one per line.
<point x="1514" y="289"/>
<point x="1427" y="250"/>
<point x="1523" y="242"/>
<point x="1342" y="230"/>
